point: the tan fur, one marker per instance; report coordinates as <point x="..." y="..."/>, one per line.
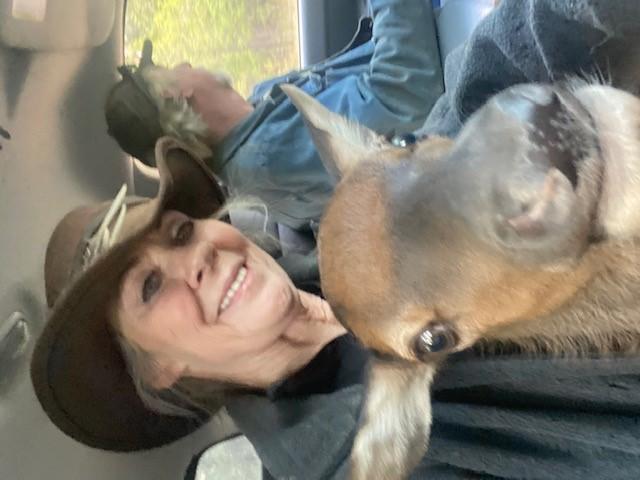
<point x="516" y="295"/>
<point x="390" y="446"/>
<point x="584" y="297"/>
<point x="371" y="294"/>
<point x="365" y="193"/>
<point x="601" y="316"/>
<point x="554" y="305"/>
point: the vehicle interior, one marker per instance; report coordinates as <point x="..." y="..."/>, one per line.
<point x="58" y="59"/>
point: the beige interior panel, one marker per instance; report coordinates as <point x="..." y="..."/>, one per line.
<point x="58" y="156"/>
<point x="50" y="25"/>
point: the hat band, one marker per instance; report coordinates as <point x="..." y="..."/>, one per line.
<point x="102" y="232"/>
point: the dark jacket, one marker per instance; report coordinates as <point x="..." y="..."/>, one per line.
<point x="498" y="417"/>
<point x="507" y="417"/>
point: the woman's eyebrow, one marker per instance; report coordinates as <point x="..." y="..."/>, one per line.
<point x="164" y="224"/>
<point x="129" y="272"/>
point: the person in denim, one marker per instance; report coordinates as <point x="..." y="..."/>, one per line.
<point x="387" y="78"/>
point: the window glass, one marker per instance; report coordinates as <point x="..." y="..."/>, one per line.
<point x="30" y="10"/>
<point x="251" y="40"/>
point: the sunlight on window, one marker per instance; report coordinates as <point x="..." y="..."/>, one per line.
<point x="251" y="40"/>
<point x="30" y="10"/>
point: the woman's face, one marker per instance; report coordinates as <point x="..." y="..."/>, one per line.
<point x="204" y="300"/>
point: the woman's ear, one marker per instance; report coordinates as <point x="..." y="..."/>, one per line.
<point x="175" y="86"/>
<point x="166" y="373"/>
<point x="185" y="91"/>
<point x="177" y="90"/>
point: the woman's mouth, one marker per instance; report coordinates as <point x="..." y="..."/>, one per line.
<point x="233" y="289"/>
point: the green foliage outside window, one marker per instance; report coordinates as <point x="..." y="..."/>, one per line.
<point x="251" y="40"/>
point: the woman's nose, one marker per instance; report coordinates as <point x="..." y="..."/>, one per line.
<point x="200" y="262"/>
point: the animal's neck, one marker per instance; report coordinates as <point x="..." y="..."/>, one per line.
<point x="603" y="316"/>
<point x="619" y="204"/>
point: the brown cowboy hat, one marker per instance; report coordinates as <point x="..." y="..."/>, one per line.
<point x="77" y="369"/>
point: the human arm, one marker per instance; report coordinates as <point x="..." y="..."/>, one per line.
<point x="405" y="75"/>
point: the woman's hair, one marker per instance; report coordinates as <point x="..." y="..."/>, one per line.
<point x="188" y="396"/>
<point x="175" y="115"/>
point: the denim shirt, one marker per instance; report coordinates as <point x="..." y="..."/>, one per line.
<point x="388" y="79"/>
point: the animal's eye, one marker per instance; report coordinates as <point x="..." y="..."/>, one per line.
<point x="151" y="285"/>
<point x="182" y="232"/>
<point x="438" y="337"/>
<point x="403" y="141"/>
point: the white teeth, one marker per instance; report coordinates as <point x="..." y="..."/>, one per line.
<point x="237" y="283"/>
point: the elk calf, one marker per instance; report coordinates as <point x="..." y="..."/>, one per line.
<point x="523" y="229"/>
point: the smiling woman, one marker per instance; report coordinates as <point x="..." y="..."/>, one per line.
<point x="208" y="303"/>
<point x="203" y="311"/>
<point x="197" y="310"/>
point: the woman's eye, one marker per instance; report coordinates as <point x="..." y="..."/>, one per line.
<point x="183" y="232"/>
<point x="151" y="285"/>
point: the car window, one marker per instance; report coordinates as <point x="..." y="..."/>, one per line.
<point x="251" y="40"/>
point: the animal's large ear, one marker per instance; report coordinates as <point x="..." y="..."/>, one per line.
<point x="529" y="165"/>
<point x="341" y="143"/>
<point x="395" y="422"/>
<point x="542" y="221"/>
<point x="548" y="207"/>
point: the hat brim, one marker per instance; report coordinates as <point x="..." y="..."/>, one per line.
<point x="77" y="368"/>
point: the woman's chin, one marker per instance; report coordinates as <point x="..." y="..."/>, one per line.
<point x="272" y="310"/>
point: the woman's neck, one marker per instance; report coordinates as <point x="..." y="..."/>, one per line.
<point x="312" y="326"/>
<point x="315" y="323"/>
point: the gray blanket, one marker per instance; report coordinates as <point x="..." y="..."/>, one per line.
<point x="538" y="41"/>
